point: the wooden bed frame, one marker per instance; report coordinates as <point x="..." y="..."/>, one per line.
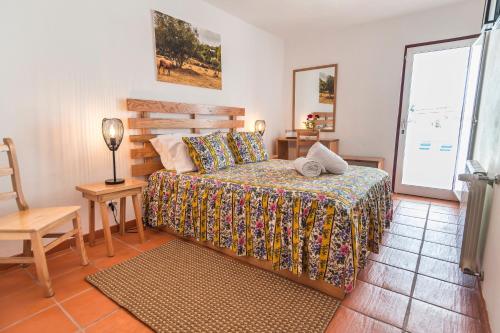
<point x="199" y="118"/>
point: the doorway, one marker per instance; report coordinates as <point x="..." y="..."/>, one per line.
<point x="431" y="116"/>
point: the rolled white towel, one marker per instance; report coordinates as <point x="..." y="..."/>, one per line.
<point x="332" y="162"/>
<point x="307" y="167"/>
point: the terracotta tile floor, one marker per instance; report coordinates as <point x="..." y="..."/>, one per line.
<point x="412" y="285"/>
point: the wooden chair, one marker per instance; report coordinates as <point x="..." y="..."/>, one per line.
<point x="326" y="119"/>
<point x="31" y="225"/>
<point x="305" y="138"/>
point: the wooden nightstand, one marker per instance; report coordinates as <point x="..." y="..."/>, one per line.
<point x="100" y="193"/>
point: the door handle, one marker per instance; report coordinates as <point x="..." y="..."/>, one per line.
<point x="477" y="173"/>
<point x="403" y="126"/>
<point x="467" y="177"/>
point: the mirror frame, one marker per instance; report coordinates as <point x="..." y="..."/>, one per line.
<point x="336" y="67"/>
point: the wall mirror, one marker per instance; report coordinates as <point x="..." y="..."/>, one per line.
<point x="315" y="93"/>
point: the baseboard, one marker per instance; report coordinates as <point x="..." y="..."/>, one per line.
<point x="71" y="242"/>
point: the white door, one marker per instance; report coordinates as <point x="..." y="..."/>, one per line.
<point x="431" y="116"/>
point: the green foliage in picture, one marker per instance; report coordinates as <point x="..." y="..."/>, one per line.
<point x="326" y="88"/>
<point x="186" y="54"/>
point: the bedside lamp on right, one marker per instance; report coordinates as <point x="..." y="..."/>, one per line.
<point x="260" y="126"/>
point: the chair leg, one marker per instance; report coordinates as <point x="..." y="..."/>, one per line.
<point x="80" y="245"/>
<point x="41" y="264"/>
<point x="26" y="250"/>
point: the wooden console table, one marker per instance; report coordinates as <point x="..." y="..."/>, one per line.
<point x="286" y="150"/>
<point x="286" y="147"/>
<point x="373" y="162"/>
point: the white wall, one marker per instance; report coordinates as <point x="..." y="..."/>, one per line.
<point x="65" y="65"/>
<point x="487" y="152"/>
<point x="370" y="59"/>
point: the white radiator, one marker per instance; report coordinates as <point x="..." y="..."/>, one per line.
<point x="471" y="215"/>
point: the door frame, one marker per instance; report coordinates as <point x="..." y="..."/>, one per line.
<point x="401" y="94"/>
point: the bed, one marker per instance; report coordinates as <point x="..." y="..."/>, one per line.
<point x="318" y="231"/>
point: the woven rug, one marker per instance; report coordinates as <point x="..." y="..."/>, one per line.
<point x="182" y="287"/>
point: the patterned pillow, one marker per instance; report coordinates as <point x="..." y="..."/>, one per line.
<point x="247" y="147"/>
<point x="210" y="152"/>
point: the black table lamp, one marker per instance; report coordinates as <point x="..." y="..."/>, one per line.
<point x="112" y="132"/>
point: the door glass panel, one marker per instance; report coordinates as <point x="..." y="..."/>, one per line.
<point x="434" y="115"/>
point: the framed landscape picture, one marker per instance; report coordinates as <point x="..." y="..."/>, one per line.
<point x="186" y="54"/>
<point x="326" y="88"/>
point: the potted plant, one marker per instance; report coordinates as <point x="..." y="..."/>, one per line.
<point x="311" y="121"/>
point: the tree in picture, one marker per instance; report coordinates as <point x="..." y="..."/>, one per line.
<point x="326" y="88"/>
<point x="186" y="54"/>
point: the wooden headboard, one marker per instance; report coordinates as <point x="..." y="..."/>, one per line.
<point x="143" y="122"/>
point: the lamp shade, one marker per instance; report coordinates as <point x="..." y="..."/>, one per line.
<point x="260" y="126"/>
<point x="112" y="132"/>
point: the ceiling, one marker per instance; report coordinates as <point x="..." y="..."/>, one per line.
<point x="286" y="17"/>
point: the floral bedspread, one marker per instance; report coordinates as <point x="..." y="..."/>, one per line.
<point x="322" y="226"/>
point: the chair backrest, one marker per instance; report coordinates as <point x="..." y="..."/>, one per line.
<point x="305" y="138"/>
<point x="325" y="120"/>
<point x="13" y="172"/>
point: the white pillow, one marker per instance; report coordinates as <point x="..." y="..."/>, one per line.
<point x="182" y="161"/>
<point x="165" y="159"/>
<point x="332" y="162"/>
<point x="173" y="152"/>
